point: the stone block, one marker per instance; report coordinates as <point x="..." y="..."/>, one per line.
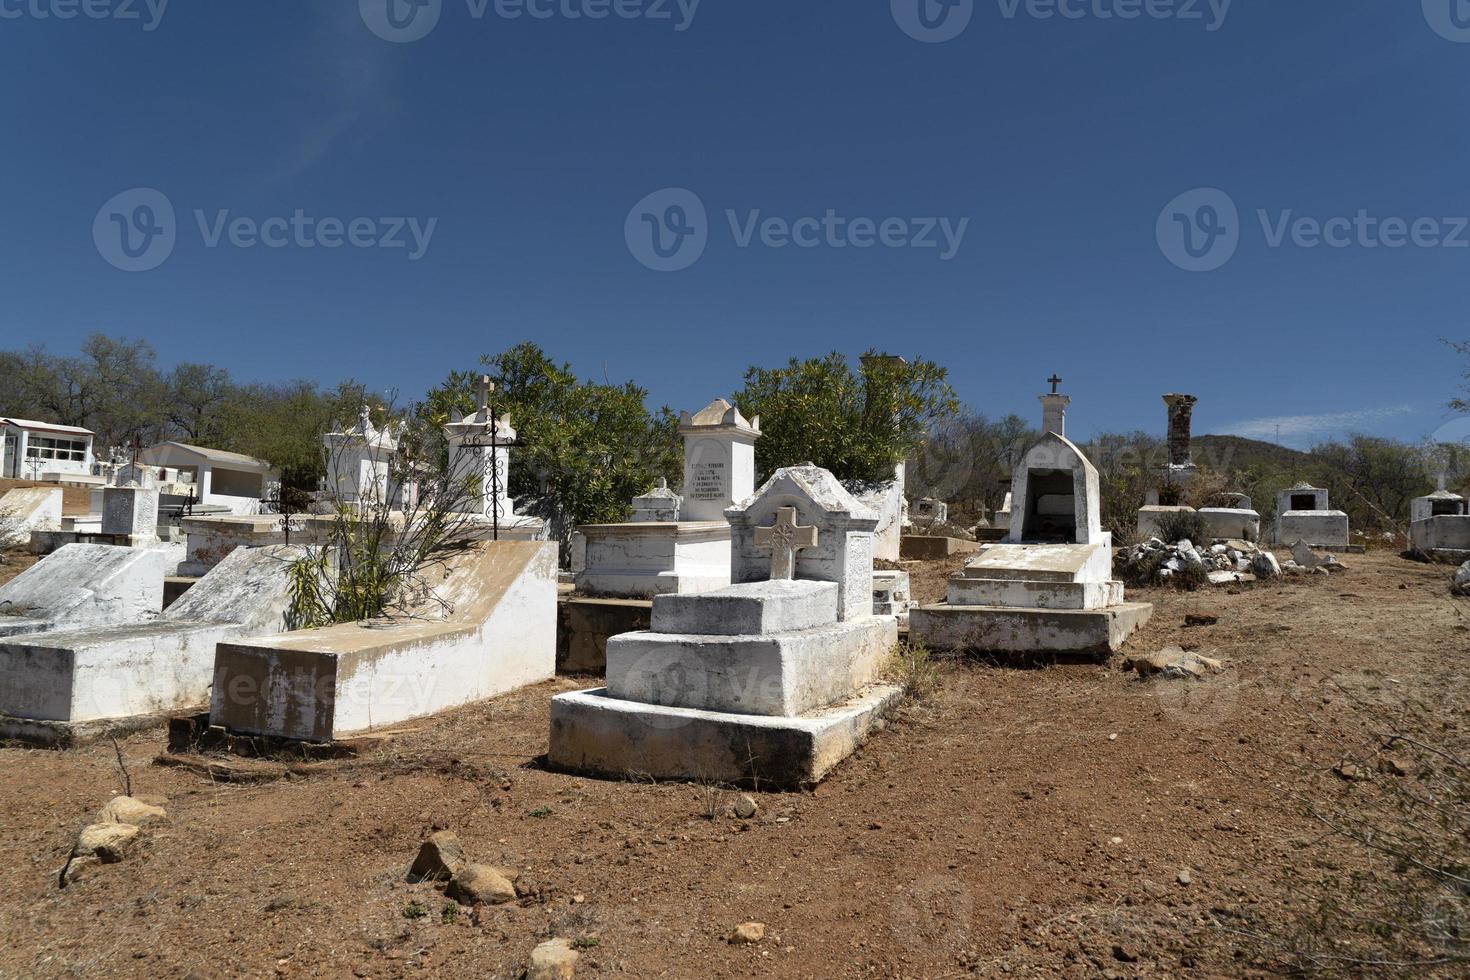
<point x="966" y="591"/>
<point x="585" y="625"/>
<point x="772" y="674"/>
<point x="749" y="608"/>
<point x="923" y="547"/>
<point x="27" y="509"/>
<point x="490" y="629"/>
<point x="1318" y="528"/>
<point x="1447" y="538"/>
<point x="1097" y="632"/>
<point x="1230" y="522"/>
<point x="640" y="560"/>
<point x="593" y="732"/>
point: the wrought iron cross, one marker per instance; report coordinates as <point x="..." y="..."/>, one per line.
<point x="785" y="538"/>
<point x="1053" y="381"/>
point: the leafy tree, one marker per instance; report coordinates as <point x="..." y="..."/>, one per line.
<point x="1462" y="403"/>
<point x="858" y="424"/>
<point x="967" y="461"/>
<point x="585" y="449"/>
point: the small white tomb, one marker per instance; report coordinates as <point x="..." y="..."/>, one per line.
<point x="772" y="681"/>
<point x="1440" y="525"/>
<point x="80" y="586"/>
<point x="1304" y="513"/>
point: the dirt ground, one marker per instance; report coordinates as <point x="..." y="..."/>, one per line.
<point x="13" y="562"/>
<point x="1018" y="822"/>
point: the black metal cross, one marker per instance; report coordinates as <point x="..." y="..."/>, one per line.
<point x="1053" y="381"/>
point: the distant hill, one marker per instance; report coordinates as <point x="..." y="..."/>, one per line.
<point x="1228" y="453"/>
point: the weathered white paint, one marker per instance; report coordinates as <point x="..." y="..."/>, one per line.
<point x="28" y="509"/>
<point x="639" y="560"/>
<point x="489" y="628"/>
<point x="84" y="585"/>
<point x="719" y="460"/>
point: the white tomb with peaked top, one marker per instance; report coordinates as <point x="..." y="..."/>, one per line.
<point x="359" y="460"/>
<point x="1440" y="525"/>
<point x="1304" y="513"/>
<point x="479" y="461"/>
<point x="770" y="681"/>
<point x="679" y="543"/>
<point x="1048" y="588"/>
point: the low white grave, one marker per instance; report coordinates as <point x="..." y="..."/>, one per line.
<point x="643" y="558"/>
<point x="1304" y="513"/>
<point x="1231" y="516"/>
<point x="770" y="681"/>
<point x="80" y="586"/>
<point x="1151" y="518"/>
<point x="1048" y="588"/>
<point x="892" y="595"/>
<point x="927" y="510"/>
<point x="28" y="509"/>
<point x="489" y="627"/>
<point x="1001" y="520"/>
<point x="59" y="686"/>
<point x="1440" y="525"/>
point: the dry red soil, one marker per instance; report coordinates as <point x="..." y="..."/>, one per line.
<point x="1020" y="822"/>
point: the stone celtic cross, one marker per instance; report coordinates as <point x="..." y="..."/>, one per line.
<point x="785" y="539"/>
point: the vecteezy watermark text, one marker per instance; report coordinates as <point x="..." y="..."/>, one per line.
<point x="1200" y="230"/>
<point x="403" y="21"/>
<point x="148" y="12"/>
<point x="669" y="230"/>
<point x="137" y="230"/>
<point x="1450" y="19"/>
<point x="937" y="21"/>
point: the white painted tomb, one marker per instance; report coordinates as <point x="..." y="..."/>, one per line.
<point x="773" y="680"/>
<point x="131" y="513"/>
<point x="1440" y="525"/>
<point x="1230" y="515"/>
<point x="1152" y="516"/>
<point x="1048" y="588"/>
<point x="489" y="627"/>
<point x="886" y="500"/>
<point x="892" y="595"/>
<point x="28" y="509"/>
<point x="1304" y="513"/>
<point x="1002" y="517"/>
<point x="479" y="452"/>
<point x="80" y="586"/>
<point x="358" y="462"/>
<point x="58" y="686"/>
<point x="657" y="505"/>
<point x="927" y="510"/>
<point x="642" y="558"/>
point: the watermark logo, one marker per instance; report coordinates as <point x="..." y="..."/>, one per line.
<point x="136" y="231"/>
<point x="1199" y="230"/>
<point x="668" y="230"/>
<point x="1455" y="432"/>
<point x="401" y="21"/>
<point x="1210" y="13"/>
<point x="933" y="21"/>
<point x="149" y="13"/>
<point x="404" y="21"/>
<point x="1449" y="18"/>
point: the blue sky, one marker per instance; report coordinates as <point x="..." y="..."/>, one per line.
<point x="531" y="153"/>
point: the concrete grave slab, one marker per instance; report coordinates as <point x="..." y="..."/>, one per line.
<point x="489" y="628"/>
<point x="750" y="608"/>
<point x="27" y="509"/>
<point x="84" y="585"/>
<point x="62" y="686"/>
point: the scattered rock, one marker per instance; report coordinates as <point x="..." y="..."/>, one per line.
<point x="1199" y="619"/>
<point x="1185" y="878"/>
<point x="129" y="810"/>
<point x="1392" y="766"/>
<point x="480" y="884"/>
<point x="108" y="842"/>
<point x="745" y="807"/>
<point x="1264" y="565"/>
<point x="1125" y="953"/>
<point x="440" y="858"/>
<point x="1348" y="772"/>
<point x="748" y="933"/>
<point x="1174" y="663"/>
<point x="1461" y="585"/>
<point x="553" y="960"/>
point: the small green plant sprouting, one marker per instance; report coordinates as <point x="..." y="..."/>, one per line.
<point x="413" y="910"/>
<point x="449" y="914"/>
<point x="541" y="811"/>
<point x="916" y="670"/>
<point x="586" y="942"/>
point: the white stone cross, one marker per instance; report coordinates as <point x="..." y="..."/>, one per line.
<point x="482" y="390"/>
<point x="785" y="539"/>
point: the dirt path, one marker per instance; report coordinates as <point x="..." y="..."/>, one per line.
<point x="998" y="828"/>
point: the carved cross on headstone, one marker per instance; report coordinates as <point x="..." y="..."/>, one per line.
<point x="785" y="539"/>
<point x="1053" y="381"/>
<point x="482" y="392"/>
